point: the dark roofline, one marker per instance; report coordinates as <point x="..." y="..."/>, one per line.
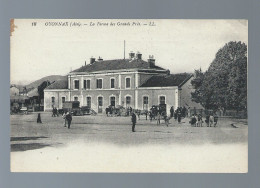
<point x="187" y="79"/>
<point x="138" y="64"/>
<point x="121" y="70"/>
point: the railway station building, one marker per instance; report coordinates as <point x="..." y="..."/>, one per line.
<point x="130" y="82"/>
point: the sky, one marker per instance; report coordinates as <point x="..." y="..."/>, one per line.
<point x="47" y="48"/>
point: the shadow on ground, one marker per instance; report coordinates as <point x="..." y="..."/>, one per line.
<point x="25" y="147"/>
<point x="26" y="138"/>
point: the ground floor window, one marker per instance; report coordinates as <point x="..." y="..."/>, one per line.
<point x="145" y="103"/>
<point x="76" y="99"/>
<point x="100" y="104"/>
<point x="162" y="99"/>
<point x="62" y="99"/>
<point x="112" y="101"/>
<point x="128" y="100"/>
<point x="89" y="102"/>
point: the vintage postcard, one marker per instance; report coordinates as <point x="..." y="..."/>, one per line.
<point x="128" y="95"/>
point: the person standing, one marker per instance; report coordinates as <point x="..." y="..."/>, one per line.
<point x="199" y="120"/>
<point x="211" y="120"/>
<point x="207" y="120"/>
<point x="179" y="116"/>
<point x="39" y="118"/>
<point x="53" y="112"/>
<point x="158" y="118"/>
<point x="56" y="112"/>
<point x="133" y="122"/>
<point x="151" y="116"/>
<point x="175" y="115"/>
<point x="65" y="119"/>
<point x="138" y="114"/>
<point x="69" y="119"/>
<point x="171" y="111"/>
<point x="215" y="119"/>
<point x="193" y="121"/>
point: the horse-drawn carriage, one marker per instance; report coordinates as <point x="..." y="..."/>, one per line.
<point x="75" y="109"/>
<point x="116" y="111"/>
<point x="161" y="109"/>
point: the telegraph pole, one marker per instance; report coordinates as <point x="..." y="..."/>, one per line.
<point x="124" y="49"/>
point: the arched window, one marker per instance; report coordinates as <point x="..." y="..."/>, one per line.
<point x="162" y="99"/>
<point x="128" y="100"/>
<point x="100" y="104"/>
<point x="89" y="102"/>
<point x="112" y="101"/>
<point x="145" y="102"/>
<point x="127" y="83"/>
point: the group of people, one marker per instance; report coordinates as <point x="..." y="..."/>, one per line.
<point x="210" y="120"/>
<point x="54" y="112"/>
<point x="196" y="120"/>
<point x="179" y="113"/>
<point x="66" y="116"/>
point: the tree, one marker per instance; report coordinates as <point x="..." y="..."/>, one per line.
<point x="197" y="82"/>
<point x="224" y="84"/>
<point x="41" y="88"/>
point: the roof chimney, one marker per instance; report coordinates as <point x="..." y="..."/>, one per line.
<point x="138" y="55"/>
<point x="131" y="55"/>
<point x="92" y="60"/>
<point x="100" y="58"/>
<point x="151" y="61"/>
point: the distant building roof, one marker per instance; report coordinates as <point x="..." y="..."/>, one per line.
<point x="117" y="64"/>
<point x="167" y="80"/>
<point x="33" y="92"/>
<point x="26" y="91"/>
<point x="18" y="98"/>
<point x="59" y="84"/>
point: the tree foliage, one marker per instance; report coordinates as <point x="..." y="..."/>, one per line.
<point x="224" y="84"/>
<point x="41" y="88"/>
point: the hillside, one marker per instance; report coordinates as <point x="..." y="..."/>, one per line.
<point x="36" y="83"/>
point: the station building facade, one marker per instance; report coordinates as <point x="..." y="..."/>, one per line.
<point x="129" y="82"/>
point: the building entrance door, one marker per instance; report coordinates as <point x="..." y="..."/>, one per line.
<point x="100" y="104"/>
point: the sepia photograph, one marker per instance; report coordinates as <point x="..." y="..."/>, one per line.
<point x="129" y="95"/>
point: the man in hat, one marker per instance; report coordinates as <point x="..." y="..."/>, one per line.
<point x="133" y="122"/>
<point x="69" y="119"/>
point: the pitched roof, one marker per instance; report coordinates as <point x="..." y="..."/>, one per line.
<point x="33" y="92"/>
<point x="59" y="84"/>
<point x="117" y="64"/>
<point x="167" y="80"/>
